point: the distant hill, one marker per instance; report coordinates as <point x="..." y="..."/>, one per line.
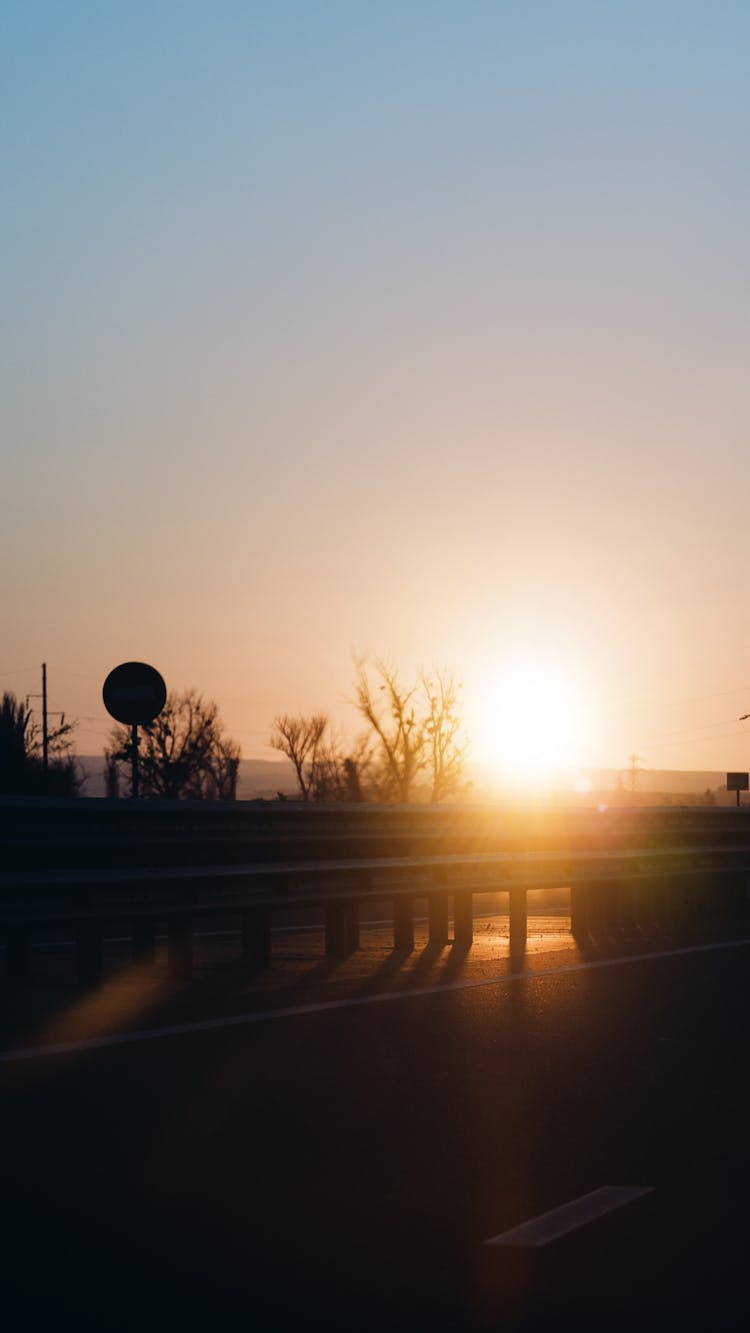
<point x="266" y="778"/>
<point x="257" y="777"/>
<point x="612" y="787"/>
<point x="658" y="779"/>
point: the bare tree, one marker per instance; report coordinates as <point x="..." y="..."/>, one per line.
<point x="223" y="770"/>
<point x="414" y="747"/>
<point x="445" y="738"/>
<point x="338" y="773"/>
<point x="326" y="770"/>
<point x="417" y="732"/>
<point x="399" y="731"/>
<point x="300" y="739"/>
<point x="183" y="753"/>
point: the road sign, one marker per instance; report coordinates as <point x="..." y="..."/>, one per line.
<point x="738" y="782"/>
<point x="134" y="693"/>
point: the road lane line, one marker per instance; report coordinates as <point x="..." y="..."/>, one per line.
<point x="550" y="1226"/>
<point x="353" y="1002"/>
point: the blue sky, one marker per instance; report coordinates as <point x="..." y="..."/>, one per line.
<point x="417" y="329"/>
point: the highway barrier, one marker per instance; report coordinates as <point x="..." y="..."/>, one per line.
<point x="90" y="865"/>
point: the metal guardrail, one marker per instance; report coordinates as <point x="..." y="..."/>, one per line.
<point x="85" y="864"/>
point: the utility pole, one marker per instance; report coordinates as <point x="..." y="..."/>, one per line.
<point x="45" y="731"/>
<point x="634" y="772"/>
<point x="45" y="718"/>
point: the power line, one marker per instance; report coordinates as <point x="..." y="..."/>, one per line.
<point x="700" y="740"/>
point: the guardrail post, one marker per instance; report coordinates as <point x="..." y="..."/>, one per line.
<point x="689" y="898"/>
<point x="403" y="924"/>
<point x="438" y="919"/>
<point x="658" y="909"/>
<point x="734" y="895"/>
<point x="180" y="946"/>
<point x="342" y="929"/>
<point x="18" y="954"/>
<point x="610" y="904"/>
<point x="463" y="917"/>
<point x="89" y="953"/>
<point x="626" y="906"/>
<point x="724" y="898"/>
<point x="256" y="937"/>
<point x="643" y="902"/>
<point x="142" y="943"/>
<point x="595" y="906"/>
<point x="579" y="909"/>
<point x="675" y="903"/>
<point x="660" y="888"/>
<point x="662" y="902"/>
<point x="517" y="919"/>
<point x="743" y="897"/>
<point x="741" y="900"/>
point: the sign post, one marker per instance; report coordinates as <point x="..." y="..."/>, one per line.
<point x="134" y="694"/>
<point x="738" y="782"/>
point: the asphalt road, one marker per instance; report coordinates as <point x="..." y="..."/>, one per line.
<point x="342" y="1154"/>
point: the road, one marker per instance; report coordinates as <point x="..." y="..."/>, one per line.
<point x="336" y="1143"/>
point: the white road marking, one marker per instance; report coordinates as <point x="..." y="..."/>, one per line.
<point x="569" y="1217"/>
<point x="353" y="1002"/>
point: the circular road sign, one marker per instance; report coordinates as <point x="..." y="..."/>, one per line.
<point x="134" y="693"/>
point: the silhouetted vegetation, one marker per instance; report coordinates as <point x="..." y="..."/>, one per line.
<point x="417" y="733"/>
<point x="183" y="754"/>
<point x="300" y="738"/>
<point x="413" y="748"/>
<point x="324" y="772"/>
<point x="22" y="768"/>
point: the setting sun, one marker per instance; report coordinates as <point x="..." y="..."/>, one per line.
<point x="528" y="723"/>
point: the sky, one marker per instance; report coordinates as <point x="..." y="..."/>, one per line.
<point x="411" y="330"/>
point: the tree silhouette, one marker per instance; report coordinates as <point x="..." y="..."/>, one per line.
<point x="183" y="754"/>
<point x="300" y="738"/>
<point x="325" y="771"/>
<point x="413" y="748"/>
<point x="445" y="739"/>
<point x="15" y="722"/>
<point x="22" y="771"/>
<point x="399" y="732"/>
<point x="417" y="732"/>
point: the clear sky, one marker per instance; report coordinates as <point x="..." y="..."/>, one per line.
<point x="417" y="329"/>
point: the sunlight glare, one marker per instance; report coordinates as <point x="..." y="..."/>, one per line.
<point x="528" y="725"/>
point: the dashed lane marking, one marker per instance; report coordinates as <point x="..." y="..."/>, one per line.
<point x="569" y="1217"/>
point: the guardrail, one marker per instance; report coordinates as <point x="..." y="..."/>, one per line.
<point x="88" y="864"/>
